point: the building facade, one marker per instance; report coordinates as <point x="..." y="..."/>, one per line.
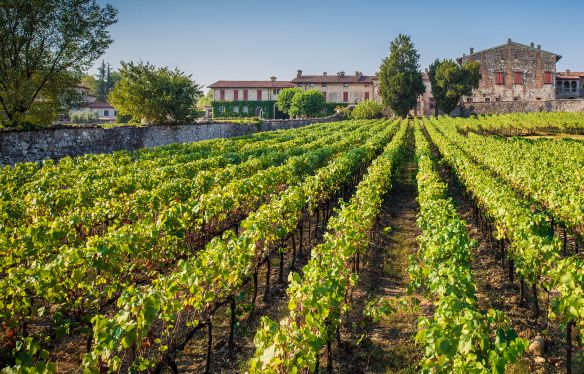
<point x="512" y="72"/>
<point x="241" y="99"/>
<point x="339" y="88"/>
<point x="569" y="85"/>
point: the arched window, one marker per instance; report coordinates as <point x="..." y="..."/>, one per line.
<point x="574" y="86"/>
<point x="558" y="86"/>
<point x="566" y="86"/>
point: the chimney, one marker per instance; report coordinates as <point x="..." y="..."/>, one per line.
<point x="509" y="40"/>
<point x="464" y="54"/>
<point x="426" y="70"/>
<point x="532" y="45"/>
<point x="567" y="71"/>
<point x="539" y="46"/>
<point x="273" y="79"/>
<point x="324" y="74"/>
<point x="471" y="50"/>
<point x="342" y="74"/>
<point x="299" y="74"/>
<point x="358" y="75"/>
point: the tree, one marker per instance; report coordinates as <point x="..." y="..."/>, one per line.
<point x="285" y="98"/>
<point x="155" y="95"/>
<point x="306" y="103"/>
<point x="367" y="109"/>
<point x="90" y="82"/>
<point x="450" y="82"/>
<point x="205" y="100"/>
<point x="44" y="47"/>
<point x="106" y="80"/>
<point x="400" y="81"/>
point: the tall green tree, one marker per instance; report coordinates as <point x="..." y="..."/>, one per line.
<point x="305" y="103"/>
<point x="155" y="95"/>
<point x="205" y="100"/>
<point x="450" y="82"/>
<point x="45" y="46"/>
<point x="285" y="97"/>
<point x="400" y="81"/>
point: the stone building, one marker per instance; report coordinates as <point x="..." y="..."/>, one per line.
<point x="236" y="99"/>
<point x="340" y="88"/>
<point x="512" y="72"/>
<point x="569" y="85"/>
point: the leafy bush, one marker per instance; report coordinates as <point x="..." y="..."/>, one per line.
<point x="367" y="109"/>
<point x="85" y="116"/>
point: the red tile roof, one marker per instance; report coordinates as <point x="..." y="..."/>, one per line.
<point x="251" y="84"/>
<point x="100" y="105"/>
<point x="573" y="74"/>
<point x="334" y="79"/>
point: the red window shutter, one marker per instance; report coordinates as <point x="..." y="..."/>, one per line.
<point x="366" y="95"/>
<point x="548" y="78"/>
<point x="499" y="78"/>
<point x="517" y="78"/>
<point x="259" y="95"/>
<point x="236" y="95"/>
<point x="345" y="97"/>
<point x="222" y="95"/>
<point x="324" y="93"/>
<point x="245" y="93"/>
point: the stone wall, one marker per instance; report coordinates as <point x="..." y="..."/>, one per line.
<point x="61" y="141"/>
<point x="501" y="107"/>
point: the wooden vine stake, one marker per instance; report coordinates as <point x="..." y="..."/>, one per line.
<point x="230" y="344"/>
<point x="267" y="290"/>
<point x="209" y="346"/>
<point x="569" y="346"/>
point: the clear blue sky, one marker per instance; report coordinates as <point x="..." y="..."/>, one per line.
<point x="253" y="40"/>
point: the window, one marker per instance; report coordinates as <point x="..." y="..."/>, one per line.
<point x="245" y="94"/>
<point x="366" y="84"/>
<point x="497" y="99"/>
<point x="574" y="87"/>
<point x="515" y="99"/>
<point x="469" y="100"/>
<point x="324" y="93"/>
<point x="366" y="95"/>
<point x="500" y="78"/>
<point x="299" y="84"/>
<point x="345" y="97"/>
<point x="548" y="77"/>
<point x="478" y="58"/>
<point x="259" y="95"/>
<point x="431" y="105"/>
<point x="221" y="109"/>
<point x="324" y="84"/>
<point x="518" y="78"/>
<point x="502" y="57"/>
<point x="346" y="85"/>
<point x="115" y="113"/>
<point x="274" y="91"/>
<point x="106" y="113"/>
<point x="244" y="109"/>
<point x="566" y="86"/>
<point x="236" y="95"/>
<point x="222" y="95"/>
<point x="487" y="99"/>
<point x="279" y="90"/>
<point x="324" y="111"/>
<point x="311" y="84"/>
<point x="515" y="56"/>
<point x="235" y="109"/>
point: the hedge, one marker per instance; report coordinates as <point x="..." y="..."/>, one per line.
<point x="267" y="107"/>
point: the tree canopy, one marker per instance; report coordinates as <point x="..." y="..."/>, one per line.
<point x="44" y="47"/>
<point x="400" y="81"/>
<point x="450" y="82"/>
<point x="155" y="95"/>
<point x="306" y="103"/>
<point x="285" y="97"/>
<point x="367" y="109"/>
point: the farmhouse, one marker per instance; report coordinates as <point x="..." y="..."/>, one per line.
<point x="513" y="72"/>
<point x="569" y="85"/>
<point x="240" y="99"/>
<point x="339" y="88"/>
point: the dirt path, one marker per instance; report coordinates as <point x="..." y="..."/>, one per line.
<point x="494" y="291"/>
